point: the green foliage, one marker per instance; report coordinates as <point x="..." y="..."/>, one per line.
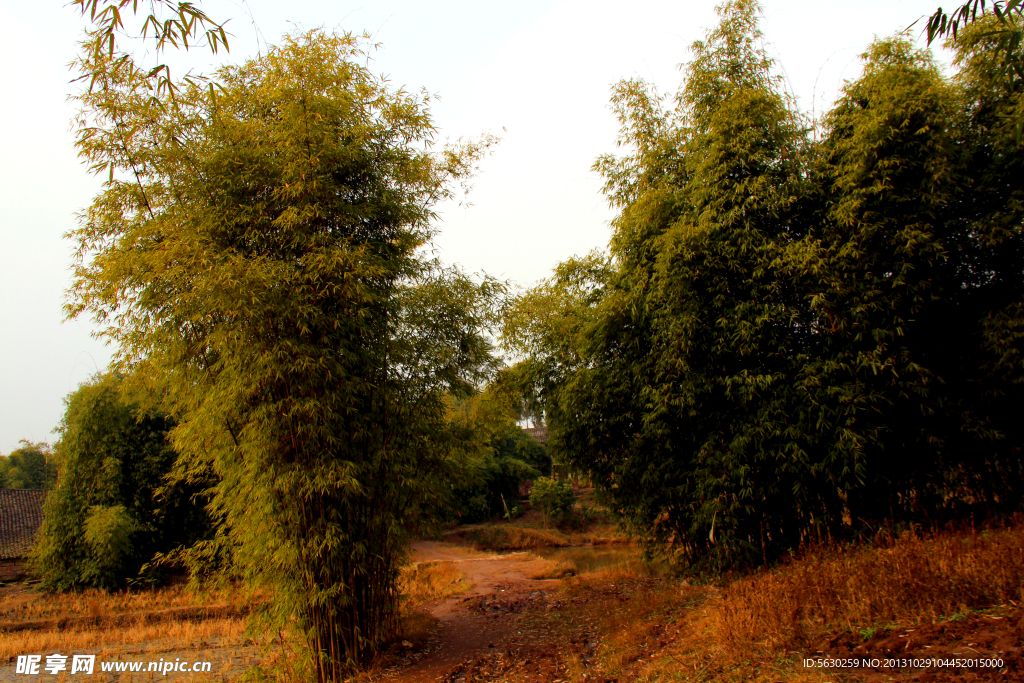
<point x="1006" y="29"/>
<point x="261" y="262"/>
<point x="501" y="468"/>
<point x="107" y="533"/>
<point x="941" y="24"/>
<point x="548" y="327"/>
<point x="1002" y="31"/>
<point x="503" y="456"/>
<point x="795" y="338"/>
<point x="33" y="466"/>
<point x="114" y="508"/>
<point x="186" y="23"/>
<point x="554" y="498"/>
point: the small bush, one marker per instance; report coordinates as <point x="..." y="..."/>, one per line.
<point x="114" y="508"/>
<point x="554" y="499"/>
<point x="505" y="537"/>
<point x="557" y="570"/>
<point x="582" y="518"/>
<point x="108" y="533"/>
<point x="514" y="513"/>
<point x="426" y="581"/>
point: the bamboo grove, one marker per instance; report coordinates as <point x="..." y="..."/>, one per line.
<point x="803" y="330"/>
<point x="256" y="257"/>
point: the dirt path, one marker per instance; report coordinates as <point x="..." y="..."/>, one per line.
<point x="476" y="622"/>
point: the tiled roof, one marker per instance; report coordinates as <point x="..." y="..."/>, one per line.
<point x="539" y="433"/>
<point x="21" y="513"/>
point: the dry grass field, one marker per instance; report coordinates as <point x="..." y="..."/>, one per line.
<point x="165" y="623"/>
<point x="946" y="595"/>
<point x="172" y="622"/>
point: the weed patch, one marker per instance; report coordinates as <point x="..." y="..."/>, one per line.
<point x="507" y="537"/>
<point x="914" y="580"/>
<point x="427" y="581"/>
<point x="940" y="596"/>
<point x="557" y="570"/>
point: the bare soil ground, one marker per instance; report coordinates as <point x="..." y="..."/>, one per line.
<point x="511" y="628"/>
<point x="995" y="635"/>
<point x="478" y="623"/>
<point x="619" y="628"/>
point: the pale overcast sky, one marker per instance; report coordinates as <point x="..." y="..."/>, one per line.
<point x="539" y="69"/>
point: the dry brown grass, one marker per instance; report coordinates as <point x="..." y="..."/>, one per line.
<point x="608" y="536"/>
<point x="173" y="635"/>
<point x="19" y="603"/>
<point x="426" y="581"/>
<point x="757" y="628"/>
<point x="914" y="580"/>
<point x="112" y="624"/>
<point x="508" y="537"/>
<point x="149" y="624"/>
<point x="652" y="630"/>
<point x="557" y="570"/>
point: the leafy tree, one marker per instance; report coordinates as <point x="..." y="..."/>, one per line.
<point x="114" y="508"/>
<point x="548" y="327"/>
<point x="1002" y="33"/>
<point x="691" y="326"/>
<point x="1008" y="31"/>
<point x="552" y="497"/>
<point x="33" y="466"/>
<point x="891" y="175"/>
<point x="502" y="455"/>
<point x="261" y="262"/>
<point x="760" y="363"/>
<point x="501" y="468"/>
<point x="169" y="22"/>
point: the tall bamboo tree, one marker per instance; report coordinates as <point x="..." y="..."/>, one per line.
<point x="256" y="255"/>
<point x="796" y="338"/>
<point x="688" y="362"/>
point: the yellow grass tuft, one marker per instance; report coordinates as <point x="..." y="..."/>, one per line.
<point x="507" y="537"/>
<point x="426" y="581"/>
<point x="112" y="623"/>
<point x="557" y="570"/>
<point x="914" y="580"/>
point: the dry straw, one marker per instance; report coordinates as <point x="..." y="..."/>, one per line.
<point x="910" y="579"/>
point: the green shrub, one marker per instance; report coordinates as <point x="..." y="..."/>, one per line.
<point x="108" y="533"/>
<point x="33" y="466"/>
<point x="554" y="499"/>
<point x="508" y="461"/>
<point x="113" y="508"/>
